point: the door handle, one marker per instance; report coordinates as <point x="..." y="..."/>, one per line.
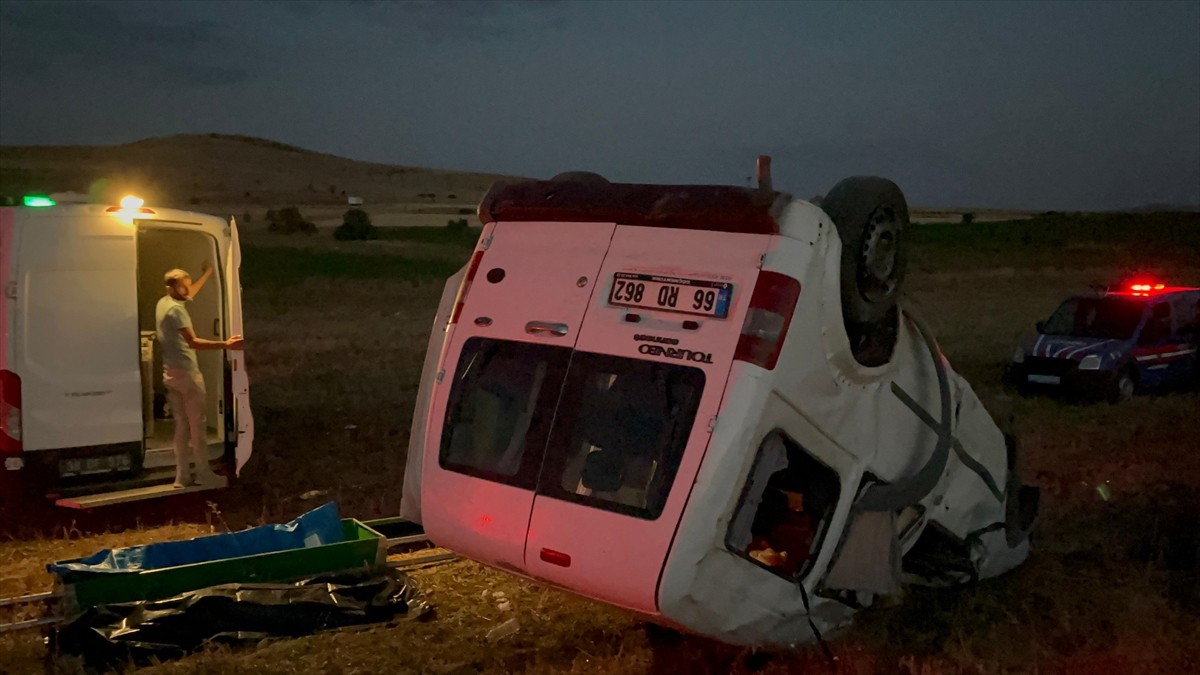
<point x="217" y="327"/>
<point x="543" y="327"/>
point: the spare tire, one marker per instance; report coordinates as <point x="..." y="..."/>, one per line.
<point x="579" y="177"/>
<point x="870" y="214"/>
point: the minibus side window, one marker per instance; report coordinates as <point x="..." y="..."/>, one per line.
<point x="785" y="508"/>
<point x="501" y="404"/>
<point x="620" y="433"/>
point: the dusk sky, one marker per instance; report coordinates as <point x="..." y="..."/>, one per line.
<point x="1073" y="105"/>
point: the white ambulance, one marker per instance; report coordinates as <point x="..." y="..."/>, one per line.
<point x="704" y="404"/>
<point x="83" y="415"/>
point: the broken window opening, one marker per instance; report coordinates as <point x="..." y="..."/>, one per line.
<point x="785" y="509"/>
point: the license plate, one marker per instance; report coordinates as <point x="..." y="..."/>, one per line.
<point x="671" y="294"/>
<point x="1045" y="379"/>
<point x="85" y="466"/>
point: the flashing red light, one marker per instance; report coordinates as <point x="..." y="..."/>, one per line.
<point x="466" y="286"/>
<point x="1145" y="289"/>
<point x="771" y="306"/>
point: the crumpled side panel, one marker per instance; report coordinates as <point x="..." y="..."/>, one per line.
<point x="869" y="559"/>
<point x="851" y="419"/>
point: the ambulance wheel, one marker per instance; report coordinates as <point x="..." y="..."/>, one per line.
<point x="579" y="177"/>
<point x="870" y="214"/>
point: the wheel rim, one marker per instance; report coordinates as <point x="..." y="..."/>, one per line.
<point x="1125" y="386"/>
<point x="877" y="259"/>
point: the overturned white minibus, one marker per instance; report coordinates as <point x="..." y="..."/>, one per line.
<point x="706" y="404"/>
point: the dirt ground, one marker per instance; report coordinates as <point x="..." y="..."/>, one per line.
<point x="335" y="337"/>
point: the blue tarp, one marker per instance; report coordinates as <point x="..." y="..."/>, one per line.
<point x="318" y="527"/>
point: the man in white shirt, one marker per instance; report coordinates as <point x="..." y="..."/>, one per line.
<point x="181" y="374"/>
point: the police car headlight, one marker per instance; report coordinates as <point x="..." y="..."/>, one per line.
<point x="1019" y="356"/>
<point x="1090" y="362"/>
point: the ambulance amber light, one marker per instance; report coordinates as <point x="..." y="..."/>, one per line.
<point x="37" y="201"/>
<point x="122" y="209"/>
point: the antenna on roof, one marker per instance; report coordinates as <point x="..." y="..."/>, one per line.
<point x="763" y="172"/>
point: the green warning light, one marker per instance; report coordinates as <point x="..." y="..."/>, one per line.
<point x="32" y="200"/>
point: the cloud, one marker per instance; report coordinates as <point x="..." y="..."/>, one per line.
<point x="440" y="22"/>
<point x="116" y="38"/>
<point x="207" y="75"/>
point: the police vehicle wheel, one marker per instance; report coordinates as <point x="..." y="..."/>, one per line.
<point x="1122" y="387"/>
<point x="870" y="214"/>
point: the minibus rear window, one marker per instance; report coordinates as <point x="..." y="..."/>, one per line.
<point x="501" y="405"/>
<point x="620" y="432"/>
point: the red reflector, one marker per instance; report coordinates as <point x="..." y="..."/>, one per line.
<point x="770" y="314"/>
<point x="10" y="413"/>
<point x="555" y="558"/>
<point x="475" y="260"/>
<point x="466" y="286"/>
<point x="458" y="306"/>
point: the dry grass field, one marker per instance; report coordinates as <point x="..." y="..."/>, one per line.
<point x="335" y="337"/>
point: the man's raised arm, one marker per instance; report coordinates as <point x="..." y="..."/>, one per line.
<point x="206" y="271"/>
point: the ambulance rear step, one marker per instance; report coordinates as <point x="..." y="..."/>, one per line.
<point x="155" y="483"/>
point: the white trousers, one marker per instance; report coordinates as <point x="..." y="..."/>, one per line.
<point x="188" y="399"/>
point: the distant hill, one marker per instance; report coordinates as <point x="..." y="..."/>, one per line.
<point x="1165" y="208"/>
<point x="195" y="169"/>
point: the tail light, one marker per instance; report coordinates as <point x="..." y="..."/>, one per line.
<point x="466" y="286"/>
<point x="10" y="413"/>
<point x="771" y="306"/>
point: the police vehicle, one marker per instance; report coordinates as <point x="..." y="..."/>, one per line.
<point x="1141" y="336"/>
